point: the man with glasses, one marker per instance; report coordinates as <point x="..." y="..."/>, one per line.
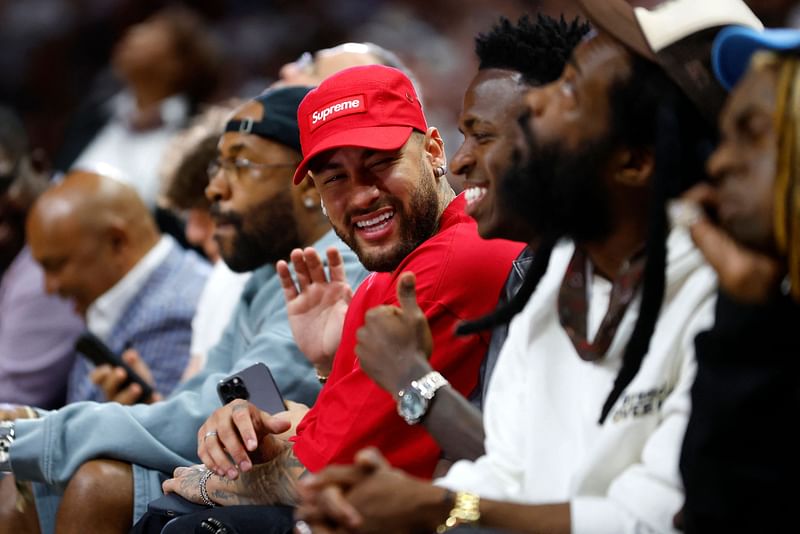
<point x="260" y="218"/>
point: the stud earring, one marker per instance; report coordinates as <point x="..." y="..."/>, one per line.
<point x="308" y="202"/>
<point x="440" y="171"/>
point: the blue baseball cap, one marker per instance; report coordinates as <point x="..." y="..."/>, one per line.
<point x="735" y="45"/>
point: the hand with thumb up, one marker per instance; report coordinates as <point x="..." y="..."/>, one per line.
<point x="395" y="342"/>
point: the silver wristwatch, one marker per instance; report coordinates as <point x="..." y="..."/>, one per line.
<point x="7" y="435"/>
<point x="413" y="400"/>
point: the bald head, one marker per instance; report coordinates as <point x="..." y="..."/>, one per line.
<point x="311" y="69"/>
<point x="87" y="232"/>
<point x="94" y="201"/>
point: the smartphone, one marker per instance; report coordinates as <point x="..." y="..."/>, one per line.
<point x="254" y="384"/>
<point x="98" y="353"/>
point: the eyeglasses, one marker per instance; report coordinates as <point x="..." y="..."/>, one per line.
<point x="238" y="168"/>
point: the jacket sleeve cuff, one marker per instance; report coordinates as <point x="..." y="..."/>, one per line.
<point x="27" y="450"/>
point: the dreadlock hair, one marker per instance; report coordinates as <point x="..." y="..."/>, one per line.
<point x="649" y="109"/>
<point x="538" y="50"/>
<point x="786" y="217"/>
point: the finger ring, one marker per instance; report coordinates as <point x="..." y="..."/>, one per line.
<point x="209" y="434"/>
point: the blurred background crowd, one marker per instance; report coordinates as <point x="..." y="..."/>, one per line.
<point x="59" y="55"/>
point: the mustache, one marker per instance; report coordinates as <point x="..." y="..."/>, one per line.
<point x="225" y="217"/>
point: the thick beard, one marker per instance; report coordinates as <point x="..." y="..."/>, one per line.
<point x="560" y="193"/>
<point x="265" y="234"/>
<point x="418" y="225"/>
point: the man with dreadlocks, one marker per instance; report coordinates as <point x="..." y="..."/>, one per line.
<point x="512" y="59"/>
<point x="739" y="460"/>
<point x="627" y="126"/>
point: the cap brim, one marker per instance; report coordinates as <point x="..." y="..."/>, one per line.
<point x="617" y="18"/>
<point x="372" y="137"/>
<point x="735" y="45"/>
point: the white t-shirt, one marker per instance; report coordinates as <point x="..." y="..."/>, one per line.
<point x="136" y="155"/>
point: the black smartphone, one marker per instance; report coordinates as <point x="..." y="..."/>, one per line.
<point x="98" y="353"/>
<point x="255" y="384"/>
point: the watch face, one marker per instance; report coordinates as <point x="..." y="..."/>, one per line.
<point x="412" y="405"/>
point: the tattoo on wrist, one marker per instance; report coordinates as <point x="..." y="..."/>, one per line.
<point x="269" y="483"/>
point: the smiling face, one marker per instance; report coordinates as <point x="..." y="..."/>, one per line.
<point x="254" y="208"/>
<point x="562" y="187"/>
<point x="745" y="162"/>
<point x="383" y="204"/>
<point x="488" y="121"/>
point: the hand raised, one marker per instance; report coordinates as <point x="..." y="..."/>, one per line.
<point x="316" y="305"/>
<point x="394" y="343"/>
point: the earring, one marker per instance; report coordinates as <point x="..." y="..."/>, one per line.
<point x="322" y="205"/>
<point x="308" y="202"/>
<point x="440" y="171"/>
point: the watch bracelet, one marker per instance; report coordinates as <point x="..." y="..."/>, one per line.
<point x="429" y="384"/>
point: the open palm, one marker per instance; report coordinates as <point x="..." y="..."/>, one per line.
<point x="316" y="305"/>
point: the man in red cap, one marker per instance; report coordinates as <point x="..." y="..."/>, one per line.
<point x="379" y="170"/>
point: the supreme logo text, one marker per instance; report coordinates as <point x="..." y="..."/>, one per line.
<point x="334" y="110"/>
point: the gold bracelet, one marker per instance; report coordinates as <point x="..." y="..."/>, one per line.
<point x="466" y="511"/>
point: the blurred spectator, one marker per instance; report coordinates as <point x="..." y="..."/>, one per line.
<point x="37" y="331"/>
<point x="55" y="48"/>
<point x="167" y="65"/>
<point x="184" y="172"/>
<point x="777" y="13"/>
<point x="99" y="247"/>
<point x="311" y="69"/>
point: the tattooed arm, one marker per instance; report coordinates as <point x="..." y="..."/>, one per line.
<point x="272" y="482"/>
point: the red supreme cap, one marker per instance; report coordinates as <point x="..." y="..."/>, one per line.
<point x="372" y="106"/>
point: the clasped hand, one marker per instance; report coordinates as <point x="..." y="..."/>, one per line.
<point x="367" y="497"/>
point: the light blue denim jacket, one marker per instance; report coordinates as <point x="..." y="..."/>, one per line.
<point x="163" y="435"/>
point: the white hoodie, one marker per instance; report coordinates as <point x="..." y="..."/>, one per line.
<point x="543" y="440"/>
